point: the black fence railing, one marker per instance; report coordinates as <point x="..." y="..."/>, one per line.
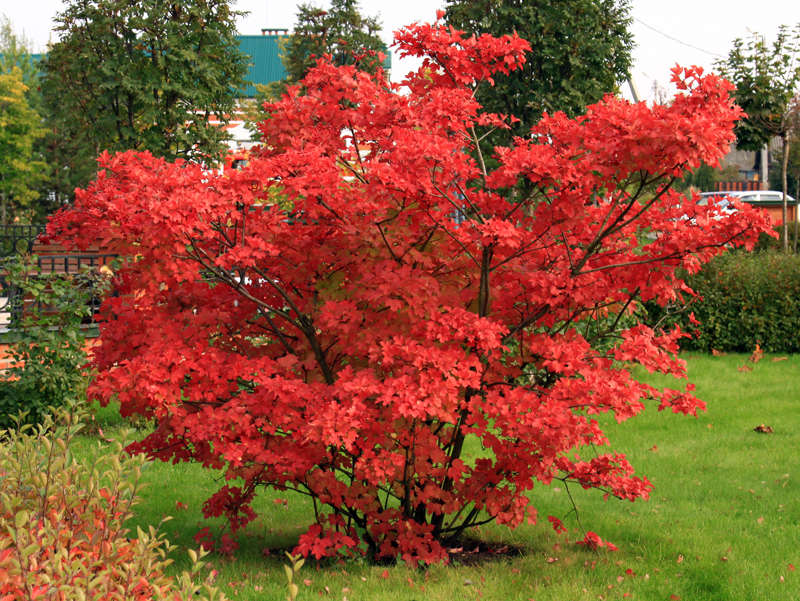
<point x="14" y="302"/>
<point x="18" y="239"/>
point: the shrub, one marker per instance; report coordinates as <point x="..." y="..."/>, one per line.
<point x="62" y="533"/>
<point x="46" y="338"/>
<point x="346" y="341"/>
<point x="745" y="299"/>
<point x="774" y="242"/>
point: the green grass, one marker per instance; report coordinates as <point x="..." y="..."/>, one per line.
<point x="722" y="524"/>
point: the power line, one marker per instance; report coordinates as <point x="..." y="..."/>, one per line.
<point x="674" y="39"/>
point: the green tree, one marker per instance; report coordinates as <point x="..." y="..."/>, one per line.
<point x="767" y="77"/>
<point x="581" y="50"/>
<point x="15" y="51"/>
<point x="341" y="31"/>
<point x="20" y="127"/>
<point x="147" y="75"/>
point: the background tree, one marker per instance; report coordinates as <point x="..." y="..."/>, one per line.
<point x="580" y="50"/>
<point x="20" y="127"/>
<point x="767" y="78"/>
<point x="143" y="75"/>
<point x="15" y="51"/>
<point x="341" y="31"/>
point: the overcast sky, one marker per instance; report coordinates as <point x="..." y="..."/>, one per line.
<point x="689" y="32"/>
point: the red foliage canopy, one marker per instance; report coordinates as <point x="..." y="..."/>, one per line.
<point x="341" y="317"/>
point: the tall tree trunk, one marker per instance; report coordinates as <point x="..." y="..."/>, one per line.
<point x="784" y="167"/>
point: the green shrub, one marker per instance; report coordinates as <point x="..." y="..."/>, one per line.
<point x="746" y="299"/>
<point x="766" y="242"/>
<point x="62" y="532"/>
<point x="46" y="339"/>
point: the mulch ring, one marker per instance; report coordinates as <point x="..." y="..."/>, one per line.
<point x="470" y="551"/>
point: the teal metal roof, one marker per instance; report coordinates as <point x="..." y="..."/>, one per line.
<point x="265" y="60"/>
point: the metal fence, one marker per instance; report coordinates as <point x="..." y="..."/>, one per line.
<point x="14" y="302"/>
<point x="18" y="240"/>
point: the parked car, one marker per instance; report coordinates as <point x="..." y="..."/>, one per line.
<point x="770" y="200"/>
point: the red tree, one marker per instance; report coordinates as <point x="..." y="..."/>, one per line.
<point x="342" y="317"/>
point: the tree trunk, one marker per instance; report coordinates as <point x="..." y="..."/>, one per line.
<point x="784" y="167"/>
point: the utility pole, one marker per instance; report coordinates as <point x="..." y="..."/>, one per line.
<point x="634" y="93"/>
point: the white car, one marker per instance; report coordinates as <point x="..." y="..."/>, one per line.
<point x="767" y="199"/>
<point x="749" y="196"/>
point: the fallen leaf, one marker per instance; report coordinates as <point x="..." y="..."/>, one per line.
<point x="674" y="597"/>
<point x="467" y="582"/>
<point x="307" y="582"/>
<point x="744" y="368"/>
<point x="385" y="574"/>
<point x="776" y="359"/>
<point x="716" y="353"/>
<point x="760" y="520"/>
<point x="654" y="448"/>
<point x="680" y="559"/>
<point x="791" y="567"/>
<point x="763" y="429"/>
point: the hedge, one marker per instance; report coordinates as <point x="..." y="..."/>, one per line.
<point x="745" y="299"/>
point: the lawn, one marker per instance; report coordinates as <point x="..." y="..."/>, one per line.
<point x="722" y="524"/>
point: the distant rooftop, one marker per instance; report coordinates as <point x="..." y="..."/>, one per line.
<point x="265" y="60"/>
